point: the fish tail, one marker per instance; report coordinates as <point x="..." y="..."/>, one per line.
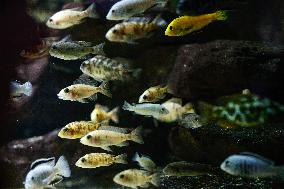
<point x="63" y="167"/>
<point x="98" y="49"/>
<point x="127" y="106"/>
<point x="155" y="179"/>
<point x="114" y="114"/>
<point x="105" y="89"/>
<point x="136" y="135"/>
<point x="188" y="107"/>
<point x="92" y="12"/>
<point x="121" y="159"/>
<point x="221" y="15"/>
<point x="136" y="157"/>
<point x="28" y="88"/>
<point x="205" y="109"/>
<point x="159" y="21"/>
<point x="136" y="73"/>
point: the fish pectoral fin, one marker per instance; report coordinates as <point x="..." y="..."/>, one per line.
<point x="225" y="124"/>
<point x="93" y="97"/>
<point x="57" y="179"/>
<point x="146" y="185"/>
<point x="125" y="143"/>
<point x="107" y="148"/>
<point x="83" y="100"/>
<point x="132" y="42"/>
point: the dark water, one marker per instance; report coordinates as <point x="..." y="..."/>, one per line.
<point x="259" y="22"/>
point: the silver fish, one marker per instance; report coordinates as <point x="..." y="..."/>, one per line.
<point x="69" y="17"/>
<point x="146" y="109"/>
<point x="252" y="165"/>
<point x="73" y="50"/>
<point x="127" y="8"/>
<point x="17" y="89"/>
<point x="45" y="173"/>
<point x="145" y="162"/>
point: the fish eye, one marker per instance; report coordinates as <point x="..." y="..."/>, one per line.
<point x="65" y="129"/>
<point x="227" y="163"/>
<point x="54" y="47"/>
<point x="171" y="27"/>
<point x="33" y="178"/>
<point x="50" y="20"/>
<point x="114" y="31"/>
<point x="89" y="137"/>
<point x="66" y="90"/>
<point x="83" y="160"/>
<point x="113" y="11"/>
<point x="121" y="176"/>
<point x="145" y="97"/>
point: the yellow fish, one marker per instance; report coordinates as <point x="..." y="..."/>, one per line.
<point x="154" y="94"/>
<point x="83" y="93"/>
<point x="100" y="113"/>
<point x="187" y="24"/>
<point x="78" y="129"/>
<point x="95" y="160"/>
<point x="111" y="136"/>
<point x="134" y="178"/>
<point x="176" y="110"/>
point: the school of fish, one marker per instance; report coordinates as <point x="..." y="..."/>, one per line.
<point x="101" y="131"/>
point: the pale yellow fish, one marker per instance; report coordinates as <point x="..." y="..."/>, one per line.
<point x="100" y="113"/>
<point x="134" y="178"/>
<point x="154" y="94"/>
<point x="176" y="110"/>
<point x="78" y="129"/>
<point x="145" y="162"/>
<point x="83" y="93"/>
<point x="111" y="136"/>
<point x="69" y="17"/>
<point x="95" y="160"/>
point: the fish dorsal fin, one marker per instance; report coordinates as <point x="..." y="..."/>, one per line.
<point x="257" y="156"/>
<point x="101" y="108"/>
<point x="43" y="161"/>
<point x="174" y="100"/>
<point x="115" y="129"/>
<point x="85" y="79"/>
<point x="84" y="43"/>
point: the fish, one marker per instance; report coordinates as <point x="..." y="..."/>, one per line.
<point x="183" y="168"/>
<point x="192" y="120"/>
<point x="73" y="50"/>
<point x="70" y="17"/>
<point x="247" y="164"/>
<point x="126" y="9"/>
<point x="40" y="50"/>
<point x="240" y="110"/>
<point x="146" y="109"/>
<point x="187" y="24"/>
<point x="78" y="129"/>
<point x="182" y="7"/>
<point x="84" y="90"/>
<point x="154" y="94"/>
<point x="95" y="160"/>
<point x="102" y="68"/>
<point x="145" y="162"/>
<point x="100" y="113"/>
<point x="44" y="173"/>
<point x="17" y="89"/>
<point x="134" y="178"/>
<point x="112" y="136"/>
<point x="134" y="29"/>
<point x="176" y="110"/>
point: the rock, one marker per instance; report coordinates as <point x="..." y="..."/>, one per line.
<point x="225" y="67"/>
<point x="211" y="144"/>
